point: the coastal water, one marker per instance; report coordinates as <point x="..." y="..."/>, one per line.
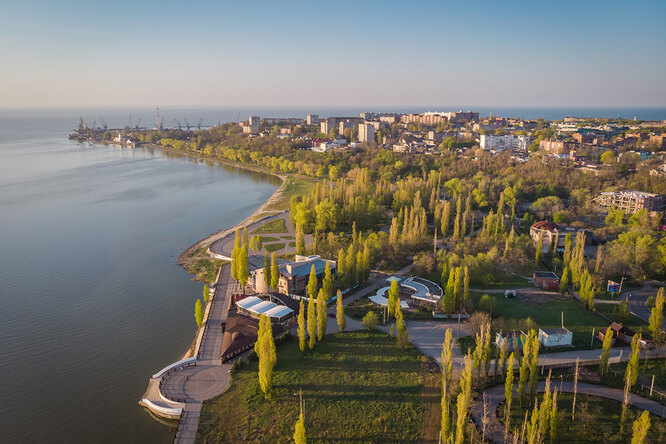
<point x="92" y="301"/>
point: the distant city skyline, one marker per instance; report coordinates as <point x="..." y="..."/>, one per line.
<point x="578" y="54"/>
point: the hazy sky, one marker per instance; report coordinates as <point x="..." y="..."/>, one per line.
<point x="332" y="53"/>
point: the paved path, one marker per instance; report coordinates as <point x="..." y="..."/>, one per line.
<point x="495" y="395"/>
<point x="209" y="378"/>
<point x="225" y="245"/>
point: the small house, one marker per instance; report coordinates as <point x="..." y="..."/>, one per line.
<point x="555" y="337"/>
<point x="547" y="280"/>
<point x="623" y="334"/>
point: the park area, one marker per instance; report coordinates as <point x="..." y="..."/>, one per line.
<point x="356" y="386"/>
<point x="545" y="311"/>
<point x="596" y="420"/>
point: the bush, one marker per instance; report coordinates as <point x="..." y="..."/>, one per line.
<point x="370" y="320"/>
<point x="487" y="304"/>
<point x="650" y="302"/>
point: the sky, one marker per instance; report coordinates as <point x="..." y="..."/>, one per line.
<point x="335" y="53"/>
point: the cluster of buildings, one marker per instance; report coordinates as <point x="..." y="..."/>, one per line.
<point x="632" y="201"/>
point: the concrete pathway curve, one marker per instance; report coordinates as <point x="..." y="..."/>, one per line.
<point x="495" y="396"/>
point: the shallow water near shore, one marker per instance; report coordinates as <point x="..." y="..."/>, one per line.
<point x="92" y="301"/>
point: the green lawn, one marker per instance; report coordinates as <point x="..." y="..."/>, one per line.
<point x="265" y="239"/>
<point x="357" y="387"/>
<point x="287" y="237"/>
<point x="273" y="247"/>
<point x="631" y="321"/>
<point x="547" y="313"/>
<point x="206" y="269"/>
<point x="656" y="367"/>
<point x="596" y="420"/>
<point x="362" y="306"/>
<point x="273" y="226"/>
<point x="292" y="187"/>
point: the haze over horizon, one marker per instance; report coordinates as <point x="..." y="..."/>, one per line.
<point x="569" y="54"/>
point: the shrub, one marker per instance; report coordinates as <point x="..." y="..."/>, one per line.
<point x="370" y="320"/>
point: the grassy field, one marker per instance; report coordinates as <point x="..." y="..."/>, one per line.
<point x="273" y="247"/>
<point x="206" y="269"/>
<point x="596" y="420"/>
<point x="547" y="313"/>
<point x="656" y="367"/>
<point x="357" y="387"/>
<point x="294" y="186"/>
<point x="273" y="226"/>
<point x="362" y="306"/>
<point x="631" y="321"/>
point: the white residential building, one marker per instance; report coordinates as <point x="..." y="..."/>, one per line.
<point x="366" y="132"/>
<point x="508" y="142"/>
<point x="312" y="119"/>
<point x="253" y="121"/>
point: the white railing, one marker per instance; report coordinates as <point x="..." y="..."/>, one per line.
<point x="166" y="411"/>
<point x="183" y="363"/>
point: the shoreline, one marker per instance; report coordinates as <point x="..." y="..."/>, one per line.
<point x="208" y="240"/>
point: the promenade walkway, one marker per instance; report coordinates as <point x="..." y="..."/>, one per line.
<point x="187" y="387"/>
<point x="494" y="429"/>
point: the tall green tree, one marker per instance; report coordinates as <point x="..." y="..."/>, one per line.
<point x="265" y="350"/>
<point x="206" y="293"/>
<point x="327" y="282"/>
<point x="198" y="312"/>
<point x="449" y="299"/>
<point x="312" y="283"/>
<point x="553" y="418"/>
<point x="340" y="312"/>
<point x="631" y="372"/>
<point x="403" y="336"/>
<point x="312" y="323"/>
<point x="267" y="270"/>
<point x="565" y="282"/>
<point x="508" y="393"/>
<point x="605" y="352"/>
<point x="299" y="431"/>
<point x="445" y="430"/>
<point x="302" y="329"/>
<point x="657" y="318"/>
<point x="300" y="240"/>
<point x="446" y="218"/>
<point x="463" y="400"/>
<point x="523" y="371"/>
<point x="539" y="248"/>
<point x="322" y="318"/>
<point x="534" y="362"/>
<point x="640" y="428"/>
<point x="243" y="272"/>
<point x="275" y="272"/>
<point x="393" y="297"/>
<point x="447" y="358"/>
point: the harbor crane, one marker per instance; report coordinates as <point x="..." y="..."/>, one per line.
<point x="199" y="124"/>
<point x="138" y="125"/>
<point x="187" y="124"/>
<point x="103" y="123"/>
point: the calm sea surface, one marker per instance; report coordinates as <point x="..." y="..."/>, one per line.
<point x="91" y="299"/>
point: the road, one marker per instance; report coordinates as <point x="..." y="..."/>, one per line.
<point x="637" y="298"/>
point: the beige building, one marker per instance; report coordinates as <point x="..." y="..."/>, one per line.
<point x="366" y="132"/>
<point x="632" y="201"/>
<point x="549" y="231"/>
<point x="552" y="146"/>
<point x="294" y="275"/>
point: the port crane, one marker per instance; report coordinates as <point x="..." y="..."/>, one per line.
<point x="138" y="125"/>
<point x="103" y="123"/>
<point x="187" y="124"/>
<point x="199" y="124"/>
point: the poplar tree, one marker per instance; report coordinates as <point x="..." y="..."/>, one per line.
<point x="402" y="334"/>
<point x="312" y="323"/>
<point x="267" y="271"/>
<point x="504" y="354"/>
<point x="342" y="267"/>
<point x="275" y="272"/>
<point x="539" y="248"/>
<point x="446" y="416"/>
<point x="198" y="312"/>
<point x="300" y="239"/>
<point x="657" y="318"/>
<point x="312" y="283"/>
<point x="534" y="363"/>
<point x="631" y="372"/>
<point x="523" y="371"/>
<point x="299" y="430"/>
<point x="393" y="297"/>
<point x="565" y="282"/>
<point x="322" y="319"/>
<point x="327" y="282"/>
<point x="447" y="358"/>
<point x="302" y="329"/>
<point x="446" y="218"/>
<point x="605" y="352"/>
<point x="458" y="286"/>
<point x="206" y="293"/>
<point x="243" y="271"/>
<point x="508" y="393"/>
<point x="265" y="350"/>
<point x="340" y="313"/>
<point x="462" y="402"/>
<point x="234" y="254"/>
<point x="640" y="428"/>
<point x="465" y="296"/>
<point x="449" y="299"/>
<point x="553" y="418"/>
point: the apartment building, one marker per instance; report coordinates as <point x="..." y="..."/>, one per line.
<point x="553" y="146"/>
<point x="632" y="201"/>
<point x="366" y="132"/>
<point x="508" y="142"/>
